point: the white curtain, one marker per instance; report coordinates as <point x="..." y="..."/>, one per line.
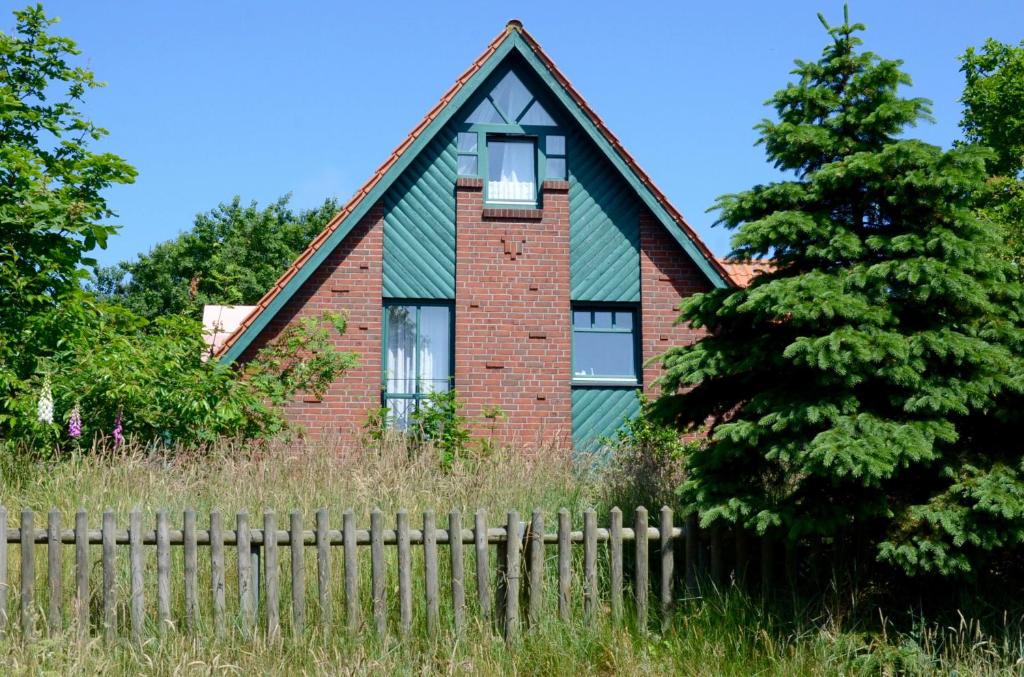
<point x="512" y="172"/>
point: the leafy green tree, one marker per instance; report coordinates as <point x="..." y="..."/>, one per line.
<point x="52" y="209"/>
<point x="994" y="117"/>
<point x="856" y="391"/>
<point x="231" y="255"/>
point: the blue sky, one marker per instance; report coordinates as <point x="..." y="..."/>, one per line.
<point x="257" y="99"/>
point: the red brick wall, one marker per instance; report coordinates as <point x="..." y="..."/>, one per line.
<point x="349" y="280"/>
<point x="512" y="327"/>
<point x="667" y="276"/>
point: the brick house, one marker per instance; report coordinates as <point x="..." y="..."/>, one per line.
<point x="509" y="248"/>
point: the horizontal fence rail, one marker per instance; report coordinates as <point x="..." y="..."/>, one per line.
<point x="510" y="574"/>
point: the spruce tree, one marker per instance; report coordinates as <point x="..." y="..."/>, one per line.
<point x="854" y="391"/>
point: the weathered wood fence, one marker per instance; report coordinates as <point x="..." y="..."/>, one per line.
<point x="521" y="551"/>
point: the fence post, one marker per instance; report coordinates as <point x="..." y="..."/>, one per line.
<point x="54" y="571"/>
<point x="243" y="546"/>
<point x="81" y="571"/>
<point x="323" y="567"/>
<point x="458" y="569"/>
<point x="482" y="566"/>
<point x="217" y="571"/>
<point x="3" y="570"/>
<point x="513" y="545"/>
<point x="430" y="571"/>
<point x="642" y="562"/>
<point x="109" y="617"/>
<point x="137" y="605"/>
<point x="564" y="564"/>
<point x="536" y="559"/>
<point x="271" y="574"/>
<point x="589" y="563"/>
<point x="767" y="563"/>
<point x="667" y="565"/>
<point x="377" y="572"/>
<point x="615" y="563"/>
<point x="191" y="557"/>
<point x="742" y="554"/>
<point x="351" y="571"/>
<point x="298" y="563"/>
<point x="404" y="574"/>
<point x="28" y="572"/>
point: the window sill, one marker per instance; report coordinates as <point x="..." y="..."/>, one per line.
<point x="598" y="382"/>
<point x="516" y="213"/>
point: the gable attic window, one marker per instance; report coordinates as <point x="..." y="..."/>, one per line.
<point x="505" y="140"/>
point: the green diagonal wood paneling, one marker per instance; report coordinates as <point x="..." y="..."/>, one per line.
<point x="419" y="225"/>
<point x="600" y="412"/>
<point x="604" y="228"/>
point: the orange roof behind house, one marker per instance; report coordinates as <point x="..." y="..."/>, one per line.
<point x="742" y="273"/>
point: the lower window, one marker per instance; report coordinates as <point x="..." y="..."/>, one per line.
<point x="417" y="356"/>
<point x="604" y="345"/>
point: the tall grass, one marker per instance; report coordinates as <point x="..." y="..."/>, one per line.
<point x="727" y="633"/>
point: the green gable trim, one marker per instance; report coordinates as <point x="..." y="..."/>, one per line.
<point x="514" y="42"/>
<point x="419" y="225"/>
<point x="600" y="412"/>
<point x="604" y="228"/>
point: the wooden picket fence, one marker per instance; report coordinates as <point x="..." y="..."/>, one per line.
<point x="521" y="558"/>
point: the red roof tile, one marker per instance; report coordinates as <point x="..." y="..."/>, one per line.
<point x="743" y="272"/>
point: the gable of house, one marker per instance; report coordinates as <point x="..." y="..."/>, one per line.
<point x="511" y="226"/>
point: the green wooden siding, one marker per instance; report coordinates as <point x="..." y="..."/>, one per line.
<point x="600" y="412"/>
<point x="419" y="225"/>
<point x="604" y="228"/>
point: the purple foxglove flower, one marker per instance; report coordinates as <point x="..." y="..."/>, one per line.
<point x="118" y="431"/>
<point x="75" y="424"/>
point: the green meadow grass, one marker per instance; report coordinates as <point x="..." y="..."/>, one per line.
<point x="726" y="633"/>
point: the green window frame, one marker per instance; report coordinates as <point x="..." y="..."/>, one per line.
<point x="556" y="166"/>
<point x="605" y="345"/>
<point x="405" y="386"/>
<point x="468" y="152"/>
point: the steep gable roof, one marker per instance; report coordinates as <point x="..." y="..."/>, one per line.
<point x="514" y="37"/>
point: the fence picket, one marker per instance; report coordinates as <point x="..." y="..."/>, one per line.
<point x="191" y="570"/>
<point x="430" y="572"/>
<point x="715" y="537"/>
<point x="564" y="565"/>
<point x="163" y="573"/>
<point x="54" y="571"/>
<point x="536" y="559"/>
<point x="271" y="574"/>
<point x="458" y="569"/>
<point x="243" y="545"/>
<point x="28" y="572"/>
<point x="589" y="563"/>
<point x="351" y="571"/>
<point x="513" y="548"/>
<point x="135" y="564"/>
<point x="298" y="562"/>
<point x="3" y="570"/>
<point x="404" y="574"/>
<point x="323" y="567"/>
<point x="642" y="580"/>
<point x="81" y="570"/>
<point x="109" y="610"/>
<point x="217" y="572"/>
<point x="482" y="565"/>
<point x="615" y="563"/>
<point x="377" y="581"/>
<point x="667" y="565"/>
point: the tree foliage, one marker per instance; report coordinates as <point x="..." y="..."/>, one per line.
<point x="858" y="390"/>
<point x="231" y="255"/>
